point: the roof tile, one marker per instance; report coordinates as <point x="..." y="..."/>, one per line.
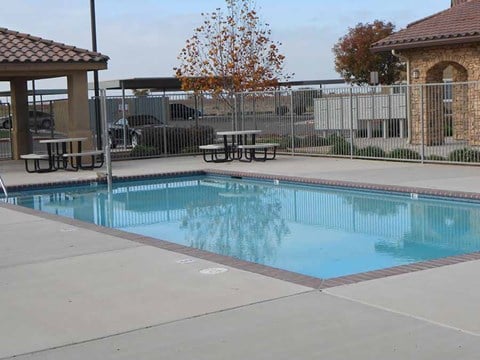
<point x="17" y="47"/>
<point x="458" y="23"/>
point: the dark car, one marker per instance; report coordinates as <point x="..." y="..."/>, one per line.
<point x="133" y="124"/>
<point x="36" y="119"/>
<point x="181" y="111"/>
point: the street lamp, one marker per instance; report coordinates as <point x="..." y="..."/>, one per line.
<point x="98" y="124"/>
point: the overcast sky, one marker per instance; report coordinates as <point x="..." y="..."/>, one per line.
<point x="143" y="37"/>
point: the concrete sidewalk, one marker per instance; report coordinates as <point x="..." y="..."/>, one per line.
<point x="445" y="177"/>
<point x="71" y="293"/>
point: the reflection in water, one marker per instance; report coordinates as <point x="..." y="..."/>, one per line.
<point x="312" y="230"/>
<point x="245" y="223"/>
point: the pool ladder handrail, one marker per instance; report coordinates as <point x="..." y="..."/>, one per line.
<point x="2" y="185"/>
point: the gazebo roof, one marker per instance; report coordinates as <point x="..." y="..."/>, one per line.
<point x="18" y="48"/>
<point x="457" y="25"/>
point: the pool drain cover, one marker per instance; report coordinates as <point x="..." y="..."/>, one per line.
<point x="185" y="261"/>
<point x="213" y="271"/>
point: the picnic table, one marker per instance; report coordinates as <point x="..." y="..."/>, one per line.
<point x="56" y="148"/>
<point x="60" y="153"/>
<point x="241" y="146"/>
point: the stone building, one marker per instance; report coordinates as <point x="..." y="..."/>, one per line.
<point x="444" y="46"/>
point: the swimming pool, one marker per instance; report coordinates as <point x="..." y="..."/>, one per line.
<point x="319" y="231"/>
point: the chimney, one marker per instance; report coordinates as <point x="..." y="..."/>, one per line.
<point x="458" y="2"/>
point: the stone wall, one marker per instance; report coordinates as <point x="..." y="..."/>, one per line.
<point x="427" y="107"/>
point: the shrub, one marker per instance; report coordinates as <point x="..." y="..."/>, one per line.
<point x="177" y="138"/>
<point x="299" y="109"/>
<point x="309" y="141"/>
<point x="404" y="154"/>
<point x="141" y="150"/>
<point x="465" y="155"/>
<point x="334" y="139"/>
<point x="281" y="110"/>
<point x="285" y="142"/>
<point x="313" y="140"/>
<point x="435" y="157"/>
<point x="340" y="146"/>
<point x="372" y="151"/>
<point x="4" y="134"/>
<point x="200" y="135"/>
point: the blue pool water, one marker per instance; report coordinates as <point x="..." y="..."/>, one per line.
<point x="312" y="230"/>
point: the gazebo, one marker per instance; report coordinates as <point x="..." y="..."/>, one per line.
<point x="24" y="57"/>
<point x="443" y="45"/>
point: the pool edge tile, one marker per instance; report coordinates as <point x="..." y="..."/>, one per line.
<point x="284" y="275"/>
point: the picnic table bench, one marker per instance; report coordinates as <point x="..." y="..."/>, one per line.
<point x="35" y="158"/>
<point x="250" y="151"/>
<point x="96" y="160"/>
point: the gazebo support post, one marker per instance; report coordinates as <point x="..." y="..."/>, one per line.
<point x="21" y="140"/>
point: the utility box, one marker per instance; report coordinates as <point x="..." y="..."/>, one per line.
<point x="358" y="111"/>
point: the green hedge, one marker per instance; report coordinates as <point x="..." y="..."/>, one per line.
<point x="178" y="139"/>
<point x="465" y="155"/>
<point x="435" y="157"/>
<point x="142" y="150"/>
<point x="372" y="151"/>
<point x="340" y="146"/>
<point x="4" y="134"/>
<point x="404" y="154"/>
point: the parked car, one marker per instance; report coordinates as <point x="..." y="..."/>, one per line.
<point x="181" y="111"/>
<point x="133" y="124"/>
<point x="43" y="120"/>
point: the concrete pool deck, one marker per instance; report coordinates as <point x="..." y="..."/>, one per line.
<point x="68" y="292"/>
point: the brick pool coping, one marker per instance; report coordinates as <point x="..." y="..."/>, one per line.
<point x="305" y="280"/>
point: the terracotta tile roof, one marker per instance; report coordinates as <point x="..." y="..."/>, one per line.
<point x="458" y="24"/>
<point x="17" y="47"/>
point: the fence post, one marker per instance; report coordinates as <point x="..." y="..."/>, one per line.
<point x="242" y="109"/>
<point x="124" y="117"/>
<point x="106" y="145"/>
<point x="196" y="109"/>
<point x="351" y="123"/>
<point x="235" y="114"/>
<point x="10" y="127"/>
<point x="166" y="109"/>
<point x="254" y="109"/>
<point x="292" y="126"/>
<point x="422" y="124"/>
<point x="52" y="125"/>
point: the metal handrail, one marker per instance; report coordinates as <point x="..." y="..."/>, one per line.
<point x="2" y="185"/>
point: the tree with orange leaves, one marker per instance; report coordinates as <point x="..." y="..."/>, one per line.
<point x="354" y="60"/>
<point x="231" y="52"/>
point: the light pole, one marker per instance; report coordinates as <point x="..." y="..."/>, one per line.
<point x="98" y="123"/>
